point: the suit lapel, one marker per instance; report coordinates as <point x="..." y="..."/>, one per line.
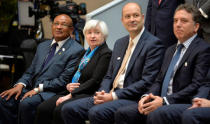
<point x="44" y="54"/>
<point x="170" y="54"/>
<point x="121" y="54"/>
<point x="58" y="54"/>
<point x="136" y="52"/>
<point x="188" y="52"/>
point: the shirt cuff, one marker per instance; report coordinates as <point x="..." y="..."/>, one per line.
<point x="166" y="101"/>
<point x="144" y="95"/>
<point x="203" y="13"/>
<point x="114" y="96"/>
<point x="41" y="87"/>
<point x="20" y="83"/>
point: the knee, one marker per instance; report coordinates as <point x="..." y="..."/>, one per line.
<point x="66" y="110"/>
<point x="121" y="113"/>
<point x="24" y="105"/>
<point x="158" y="113"/>
<point x="94" y="113"/>
<point x="187" y="115"/>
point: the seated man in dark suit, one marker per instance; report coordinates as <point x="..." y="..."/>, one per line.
<point x="184" y="67"/>
<point x="135" y="62"/>
<point x="199" y="111"/>
<point x="50" y="71"/>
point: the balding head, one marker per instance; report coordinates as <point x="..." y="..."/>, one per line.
<point x="130" y="5"/>
<point x="132" y="19"/>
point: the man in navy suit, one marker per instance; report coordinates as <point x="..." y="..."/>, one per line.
<point x="188" y="72"/>
<point x="124" y="81"/>
<point x="50" y="71"/>
<point x="159" y="19"/>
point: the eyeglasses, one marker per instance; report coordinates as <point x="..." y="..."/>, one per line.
<point x="62" y="25"/>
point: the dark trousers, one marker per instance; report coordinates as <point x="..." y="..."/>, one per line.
<point x="76" y="112"/>
<point x="16" y="111"/>
<point x="168" y="114"/>
<point x="49" y="113"/>
<point x="129" y="115"/>
<point x="196" y="116"/>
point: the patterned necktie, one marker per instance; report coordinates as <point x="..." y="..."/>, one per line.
<point x="170" y="70"/>
<point x="159" y="1"/>
<point x="50" y="54"/>
<point x="123" y="65"/>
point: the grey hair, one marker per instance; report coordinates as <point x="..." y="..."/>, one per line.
<point x="93" y="24"/>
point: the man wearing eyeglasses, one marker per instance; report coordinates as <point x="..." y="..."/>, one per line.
<point x="51" y="69"/>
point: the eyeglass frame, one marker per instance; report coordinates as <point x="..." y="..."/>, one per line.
<point x="62" y="25"/>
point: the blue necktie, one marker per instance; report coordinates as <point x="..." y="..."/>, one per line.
<point x="50" y="54"/>
<point x="170" y="70"/>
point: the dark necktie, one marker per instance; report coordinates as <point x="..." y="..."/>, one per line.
<point x="50" y="54"/>
<point x="170" y="70"/>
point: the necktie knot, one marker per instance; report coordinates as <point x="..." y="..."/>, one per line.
<point x="179" y="47"/>
<point x="130" y="44"/>
<point x="54" y="45"/>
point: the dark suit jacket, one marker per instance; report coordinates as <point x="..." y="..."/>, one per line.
<point x="159" y="20"/>
<point x="190" y="73"/>
<point x="142" y="69"/>
<point x="94" y="71"/>
<point x="205" y="23"/>
<point x="204" y="90"/>
<point x="55" y="75"/>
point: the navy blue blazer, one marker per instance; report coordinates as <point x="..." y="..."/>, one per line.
<point x="55" y="75"/>
<point x="190" y="73"/>
<point x="159" y="20"/>
<point x="204" y="90"/>
<point x="142" y="69"/>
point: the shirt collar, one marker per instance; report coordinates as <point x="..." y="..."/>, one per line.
<point x="188" y="41"/>
<point x="136" y="39"/>
<point x="60" y="43"/>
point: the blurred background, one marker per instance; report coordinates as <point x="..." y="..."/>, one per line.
<point x="26" y="23"/>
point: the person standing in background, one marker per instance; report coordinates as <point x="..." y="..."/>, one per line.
<point x="159" y="19"/>
<point x="204" y="8"/>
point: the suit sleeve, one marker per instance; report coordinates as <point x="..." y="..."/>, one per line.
<point x="203" y="91"/>
<point x="151" y="68"/>
<point x="156" y="87"/>
<point x="107" y="81"/>
<point x="28" y="74"/>
<point x="206" y="8"/>
<point x="148" y="16"/>
<point x="58" y="84"/>
<point x="200" y="70"/>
